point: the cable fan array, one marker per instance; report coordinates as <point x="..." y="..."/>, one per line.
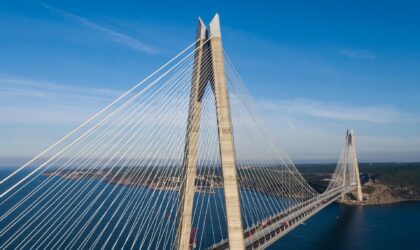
<point x="114" y="181"/>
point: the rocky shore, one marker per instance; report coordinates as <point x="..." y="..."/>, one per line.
<point x="376" y="193"/>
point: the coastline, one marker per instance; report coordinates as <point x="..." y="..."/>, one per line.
<point x="376" y="194"/>
<point x="363" y="204"/>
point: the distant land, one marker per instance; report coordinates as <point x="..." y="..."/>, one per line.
<point x="207" y="180"/>
<point x="383" y="183"/>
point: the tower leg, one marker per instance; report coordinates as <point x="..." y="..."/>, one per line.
<point x="187" y="190"/>
<point x="230" y="180"/>
<point x="346" y="157"/>
<point x="356" y="167"/>
<point x="226" y="146"/>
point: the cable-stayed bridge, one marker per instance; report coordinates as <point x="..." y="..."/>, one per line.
<point x="181" y="160"/>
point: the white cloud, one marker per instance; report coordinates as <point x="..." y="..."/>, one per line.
<point x="112" y="34"/>
<point x="35" y="102"/>
<point x="24" y="87"/>
<point x="309" y="130"/>
<point x="358" y="54"/>
<point x="375" y="114"/>
<point x="317" y="130"/>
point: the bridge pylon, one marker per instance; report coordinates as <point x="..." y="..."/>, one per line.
<point x="346" y="158"/>
<point x="352" y="142"/>
<point x="351" y="145"/>
<point x="209" y="69"/>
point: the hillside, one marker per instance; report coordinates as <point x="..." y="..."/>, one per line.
<point x="383" y="182"/>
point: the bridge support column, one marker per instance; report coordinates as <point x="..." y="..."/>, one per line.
<point x="187" y="190"/>
<point x="227" y="153"/>
<point x="346" y="156"/>
<point x="356" y="166"/>
<point x="214" y="66"/>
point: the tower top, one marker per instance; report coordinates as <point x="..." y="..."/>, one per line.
<point x="215" y="27"/>
<point x="201" y="29"/>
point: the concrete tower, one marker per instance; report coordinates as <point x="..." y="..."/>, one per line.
<point x="351" y="145"/>
<point x="352" y="142"/>
<point x="209" y="69"/>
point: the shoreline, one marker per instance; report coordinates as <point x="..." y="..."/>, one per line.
<point x="362" y="204"/>
<point x="376" y="194"/>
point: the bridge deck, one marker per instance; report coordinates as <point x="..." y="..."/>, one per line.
<point x="272" y="229"/>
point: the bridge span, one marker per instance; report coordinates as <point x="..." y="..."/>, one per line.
<point x="270" y="230"/>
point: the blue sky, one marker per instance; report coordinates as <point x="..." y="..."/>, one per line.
<point x="314" y="69"/>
